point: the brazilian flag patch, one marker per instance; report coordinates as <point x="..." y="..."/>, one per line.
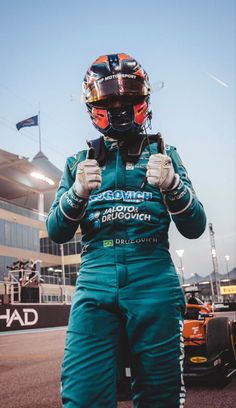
<point x="108" y="243"/>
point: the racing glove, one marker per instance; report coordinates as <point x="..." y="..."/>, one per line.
<point x="160" y="172"/>
<point x="88" y="178"/>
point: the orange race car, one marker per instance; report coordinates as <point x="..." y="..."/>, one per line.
<point x="209" y="342"/>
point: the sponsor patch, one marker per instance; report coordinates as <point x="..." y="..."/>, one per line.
<point x="124" y="213"/>
<point x="121" y="195"/>
<point x="198" y="359"/>
<point x="129" y="166"/>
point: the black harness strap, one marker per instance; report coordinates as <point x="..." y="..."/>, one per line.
<point x="99" y="150"/>
<point x="131" y="152"/>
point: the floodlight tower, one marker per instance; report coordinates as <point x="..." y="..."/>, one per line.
<point x="214" y="262"/>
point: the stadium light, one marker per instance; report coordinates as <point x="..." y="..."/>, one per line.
<point x="213" y="252"/>
<point x="40" y="176"/>
<point x="180" y="252"/>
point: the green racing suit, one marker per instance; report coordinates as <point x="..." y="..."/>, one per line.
<point x="126" y="275"/>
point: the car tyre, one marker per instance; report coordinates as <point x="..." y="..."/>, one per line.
<point x="218" y="335"/>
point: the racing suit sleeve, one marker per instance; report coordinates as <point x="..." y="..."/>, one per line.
<point x="66" y="211"/>
<point x="186" y="210"/>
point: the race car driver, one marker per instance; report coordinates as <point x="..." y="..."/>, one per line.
<point x="123" y="195"/>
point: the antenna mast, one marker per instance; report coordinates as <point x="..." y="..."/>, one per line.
<point x="215" y="264"/>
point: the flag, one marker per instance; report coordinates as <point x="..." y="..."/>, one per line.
<point x="33" y="121"/>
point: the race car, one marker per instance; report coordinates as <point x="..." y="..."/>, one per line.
<point x="209" y="343"/>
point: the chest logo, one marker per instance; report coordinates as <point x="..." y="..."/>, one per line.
<point x="129" y="166"/>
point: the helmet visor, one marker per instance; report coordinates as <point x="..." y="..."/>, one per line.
<point x="116" y="85"/>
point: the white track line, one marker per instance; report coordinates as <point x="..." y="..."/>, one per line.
<point x="28" y="331"/>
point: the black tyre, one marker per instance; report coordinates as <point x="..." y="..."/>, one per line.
<point x="218" y="335"/>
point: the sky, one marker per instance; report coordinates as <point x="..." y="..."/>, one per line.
<point x="46" y="49"/>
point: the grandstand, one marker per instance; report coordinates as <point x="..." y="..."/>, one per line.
<point x="27" y="189"/>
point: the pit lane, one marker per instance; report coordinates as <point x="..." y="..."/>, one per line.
<point x="30" y="374"/>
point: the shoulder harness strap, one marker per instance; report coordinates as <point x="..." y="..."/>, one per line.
<point x="99" y="151"/>
<point x="131" y="152"/>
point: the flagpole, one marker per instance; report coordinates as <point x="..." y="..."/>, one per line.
<point x="39" y="131"/>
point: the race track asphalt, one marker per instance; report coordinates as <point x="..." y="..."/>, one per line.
<point x="30" y="374"/>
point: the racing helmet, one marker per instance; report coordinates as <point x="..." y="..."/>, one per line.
<point x="116" y="90"/>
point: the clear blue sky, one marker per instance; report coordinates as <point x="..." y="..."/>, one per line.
<point x="46" y="49"/>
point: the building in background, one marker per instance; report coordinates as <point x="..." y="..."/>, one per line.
<point x="27" y="189"/>
<point x="206" y="288"/>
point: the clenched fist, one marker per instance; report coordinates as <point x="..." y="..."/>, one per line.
<point x="160" y="172"/>
<point x="88" y="178"/>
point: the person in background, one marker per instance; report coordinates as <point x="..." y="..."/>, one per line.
<point x="21" y="265"/>
<point x="32" y="267"/>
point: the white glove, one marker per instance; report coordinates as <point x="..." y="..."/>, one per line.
<point x="160" y="172"/>
<point x="88" y="178"/>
